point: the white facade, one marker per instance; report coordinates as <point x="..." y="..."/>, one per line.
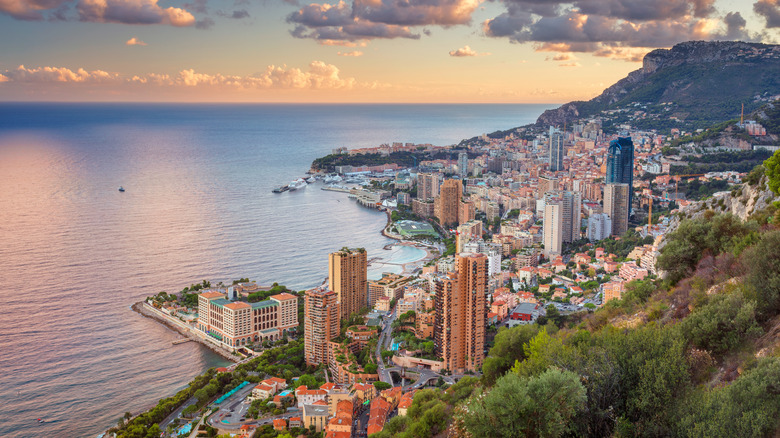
<point x="599" y="227"/>
<point x="553" y="221"/>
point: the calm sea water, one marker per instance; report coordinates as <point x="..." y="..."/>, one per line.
<point x="75" y="253"/>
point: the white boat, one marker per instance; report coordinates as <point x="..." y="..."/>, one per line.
<point x="298" y="184"/>
<point x="311" y="180"/>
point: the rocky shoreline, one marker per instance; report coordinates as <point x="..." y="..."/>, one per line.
<point x="144" y="309"/>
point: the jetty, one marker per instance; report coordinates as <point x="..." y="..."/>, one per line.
<point x="181" y="341"/>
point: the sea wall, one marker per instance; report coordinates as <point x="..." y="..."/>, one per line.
<point x="174" y="324"/>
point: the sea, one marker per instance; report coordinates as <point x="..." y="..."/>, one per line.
<point x="75" y="253"/>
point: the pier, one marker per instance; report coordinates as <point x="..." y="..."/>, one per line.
<point x="181" y="341"/>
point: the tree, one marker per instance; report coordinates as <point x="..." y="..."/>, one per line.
<point x="763" y="262"/>
<point x="722" y="324"/>
<point x="507" y="348"/>
<point x="381" y="386"/>
<point x="772" y="170"/>
<point x="540" y="406"/>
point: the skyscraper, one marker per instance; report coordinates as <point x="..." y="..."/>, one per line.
<point x="552" y="228"/>
<point x="428" y="185"/>
<point x="448" y="202"/>
<point x="321" y="324"/>
<point x="460" y="306"/>
<point x="463" y="164"/>
<point x="620" y="165"/>
<point x="557" y="150"/>
<point x="616" y="198"/>
<point x="347" y="276"/>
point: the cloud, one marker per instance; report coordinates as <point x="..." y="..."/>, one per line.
<point x="354" y="53"/>
<point x="57" y="74"/>
<point x="371" y="19"/>
<point x="319" y="75"/>
<point x="466" y="51"/>
<point x="561" y="57"/>
<point x="100" y="11"/>
<point x="342" y="43"/>
<point x="132" y="12"/>
<point x="570" y="64"/>
<point x="236" y="15"/>
<point x="621" y="29"/>
<point x="463" y="51"/>
<point x="135" y="42"/>
<point x="770" y="10"/>
<point x="29" y="9"/>
<point x="204" y="24"/>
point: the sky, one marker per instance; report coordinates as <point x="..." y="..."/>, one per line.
<point x="404" y="51"/>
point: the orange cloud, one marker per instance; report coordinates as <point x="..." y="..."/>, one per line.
<point x="466" y="51"/>
<point x="135" y="42"/>
<point x="355" y="53"/>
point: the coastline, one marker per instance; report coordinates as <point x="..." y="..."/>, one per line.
<point x="144" y="309"/>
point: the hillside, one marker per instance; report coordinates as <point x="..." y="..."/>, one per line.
<point x="694" y="354"/>
<point x="698" y="83"/>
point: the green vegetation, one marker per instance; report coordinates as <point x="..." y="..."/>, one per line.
<point x="276" y="289"/>
<point x="772" y="170"/>
<point x="741" y="161"/>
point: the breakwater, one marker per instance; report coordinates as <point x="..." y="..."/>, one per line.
<point x="172" y="323"/>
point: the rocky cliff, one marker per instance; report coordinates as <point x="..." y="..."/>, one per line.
<point x="692" y="75"/>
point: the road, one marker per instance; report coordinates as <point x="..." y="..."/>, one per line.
<point x="384" y="344"/>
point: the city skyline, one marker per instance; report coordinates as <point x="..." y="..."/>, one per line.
<point x="448" y="51"/>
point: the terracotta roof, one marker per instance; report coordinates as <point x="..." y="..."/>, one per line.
<point x="211" y="294"/>
<point x="238" y="305"/>
<point x="283" y="296"/>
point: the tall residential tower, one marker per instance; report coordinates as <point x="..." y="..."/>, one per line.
<point x="620" y="165"/>
<point x="348" y="278"/>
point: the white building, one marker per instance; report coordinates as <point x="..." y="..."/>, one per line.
<point x="599" y="227"/>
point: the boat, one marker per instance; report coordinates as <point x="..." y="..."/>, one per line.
<point x="281" y="189"/>
<point x="121" y="189"/>
<point x="297" y="184"/>
<point x="311" y="180"/>
<point x="41" y="420"/>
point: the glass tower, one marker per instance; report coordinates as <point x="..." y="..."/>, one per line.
<point x="620" y="165"/>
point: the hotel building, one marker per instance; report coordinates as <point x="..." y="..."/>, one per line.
<point x="237" y="323"/>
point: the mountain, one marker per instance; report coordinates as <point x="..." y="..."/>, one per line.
<point x="695" y="84"/>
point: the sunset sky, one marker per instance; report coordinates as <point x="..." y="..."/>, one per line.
<point x="349" y="51"/>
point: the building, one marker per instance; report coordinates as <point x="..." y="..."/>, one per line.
<point x="389" y="286"/>
<point x="315" y="415"/>
<point x="428" y="185"/>
<point x="237" y="323"/>
<point x="552" y="229"/>
<point x="557" y="150"/>
<point x="423" y="208"/>
<point x="620" y="165"/>
<point x="460" y="311"/>
<point x="448" y="203"/>
<point x="466" y="212"/>
<point x="571" y="216"/>
<point x="525" y="312"/>
<point x="616" y="205"/>
<point x="612" y="290"/>
<point x="599" y="227"/>
<point x="321" y="324"/>
<point x="463" y="164"/>
<point x="348" y="278"/>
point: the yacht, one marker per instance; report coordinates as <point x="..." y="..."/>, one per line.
<point x="121" y="189"/>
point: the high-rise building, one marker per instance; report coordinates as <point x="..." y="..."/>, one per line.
<point x="448" y="202"/>
<point x="460" y="314"/>
<point x="348" y="278"/>
<point x="557" y="150"/>
<point x="599" y="227"/>
<point x="552" y="228"/>
<point x="620" y="165"/>
<point x="463" y="164"/>
<point x="466" y="212"/>
<point x="616" y="205"/>
<point x="428" y="185"/>
<point x="572" y="216"/>
<point x="567" y="230"/>
<point x="321" y="324"/>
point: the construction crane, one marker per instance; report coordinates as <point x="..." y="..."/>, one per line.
<point x="677" y="180"/>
